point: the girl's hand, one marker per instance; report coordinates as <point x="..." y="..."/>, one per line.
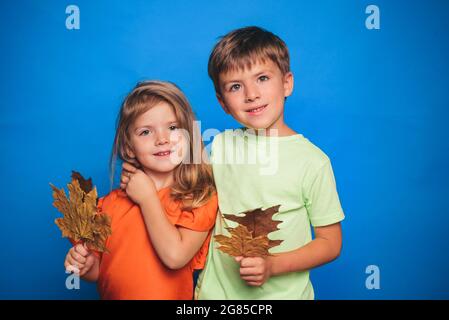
<point x="254" y="270"/>
<point x="127" y="170"/>
<point x="79" y="260"/>
<point x="139" y="186"/>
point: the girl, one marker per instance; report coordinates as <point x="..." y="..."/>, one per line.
<point x="162" y="216"/>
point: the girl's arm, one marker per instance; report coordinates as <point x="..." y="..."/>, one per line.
<point x="175" y="246"/>
<point x="92" y="274"/>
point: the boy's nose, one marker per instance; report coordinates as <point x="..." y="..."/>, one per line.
<point x="251" y="93"/>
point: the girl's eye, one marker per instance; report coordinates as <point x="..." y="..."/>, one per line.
<point x="172" y="128"/>
<point x="144" y="133"/>
<point x="263" y="78"/>
<point x="234" y="87"/>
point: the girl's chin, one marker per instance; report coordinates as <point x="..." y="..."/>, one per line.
<point x="161" y="168"/>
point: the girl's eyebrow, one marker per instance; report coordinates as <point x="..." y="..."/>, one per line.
<point x="150" y="125"/>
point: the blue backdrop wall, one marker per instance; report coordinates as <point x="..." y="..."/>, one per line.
<point x="376" y="101"/>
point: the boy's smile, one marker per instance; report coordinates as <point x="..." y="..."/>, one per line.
<point x="255" y="96"/>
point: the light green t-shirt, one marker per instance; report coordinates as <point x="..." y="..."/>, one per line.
<point x="251" y="172"/>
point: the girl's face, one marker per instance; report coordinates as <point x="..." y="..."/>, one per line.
<point x="157" y="141"/>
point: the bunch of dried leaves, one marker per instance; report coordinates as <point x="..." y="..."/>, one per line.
<point x="81" y="221"/>
<point x="250" y="237"/>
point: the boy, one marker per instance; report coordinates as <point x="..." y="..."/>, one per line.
<point x="250" y="70"/>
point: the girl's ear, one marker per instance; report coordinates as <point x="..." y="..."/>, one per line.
<point x="130" y="153"/>
<point x="288" y="84"/>
<point x="222" y="104"/>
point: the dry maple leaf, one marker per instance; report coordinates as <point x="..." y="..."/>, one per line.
<point x="250" y="237"/>
<point x="85" y="185"/>
<point x="81" y="221"/>
<point x="241" y="243"/>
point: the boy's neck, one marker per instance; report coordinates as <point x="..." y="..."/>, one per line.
<point x="283" y="131"/>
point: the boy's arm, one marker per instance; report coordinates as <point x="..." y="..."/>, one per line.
<point x="324" y="248"/>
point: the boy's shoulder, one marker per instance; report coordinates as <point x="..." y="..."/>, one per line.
<point x="298" y="147"/>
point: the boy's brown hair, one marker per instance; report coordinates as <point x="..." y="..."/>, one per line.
<point x="240" y="48"/>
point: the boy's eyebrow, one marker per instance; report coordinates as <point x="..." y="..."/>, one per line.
<point x="255" y="75"/>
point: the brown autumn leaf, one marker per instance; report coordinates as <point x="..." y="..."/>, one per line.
<point x="250" y="237"/>
<point x="241" y="243"/>
<point x="86" y="185"/>
<point x="259" y="222"/>
<point x="81" y="221"/>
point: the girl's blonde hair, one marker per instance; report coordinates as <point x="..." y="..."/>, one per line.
<point x="194" y="183"/>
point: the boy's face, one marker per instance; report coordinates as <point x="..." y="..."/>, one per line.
<point x="255" y="96"/>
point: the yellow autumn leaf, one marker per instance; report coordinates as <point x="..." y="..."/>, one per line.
<point x="81" y="222"/>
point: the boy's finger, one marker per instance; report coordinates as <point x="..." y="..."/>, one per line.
<point x="249" y="271"/>
<point x="238" y="259"/>
<point x="251" y="278"/>
<point x="254" y="283"/>
<point x="250" y="262"/>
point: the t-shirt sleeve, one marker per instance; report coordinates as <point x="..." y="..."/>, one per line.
<point x="322" y="201"/>
<point x="200" y="219"/>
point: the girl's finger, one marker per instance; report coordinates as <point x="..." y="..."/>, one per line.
<point x="82" y="250"/>
<point x="78" y="258"/>
<point x="124" y="179"/>
<point x="129" y="167"/>
<point x="73" y="266"/>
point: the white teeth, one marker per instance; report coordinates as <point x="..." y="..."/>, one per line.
<point x="163" y="153"/>
<point x="257" y="109"/>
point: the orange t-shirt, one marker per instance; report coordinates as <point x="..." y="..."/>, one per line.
<point x="132" y="269"/>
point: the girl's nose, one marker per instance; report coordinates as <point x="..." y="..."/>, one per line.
<point x="161" y="139"/>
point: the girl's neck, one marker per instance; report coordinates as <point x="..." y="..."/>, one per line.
<point x="161" y="179"/>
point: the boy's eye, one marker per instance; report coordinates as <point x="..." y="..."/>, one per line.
<point x="173" y="127"/>
<point x="263" y="78"/>
<point x="234" y="87"/>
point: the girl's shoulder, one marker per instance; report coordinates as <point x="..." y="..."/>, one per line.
<point x="116" y="200"/>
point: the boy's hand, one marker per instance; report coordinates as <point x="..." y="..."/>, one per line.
<point x="254" y="270"/>
<point x="79" y="260"/>
<point x="139" y="186"/>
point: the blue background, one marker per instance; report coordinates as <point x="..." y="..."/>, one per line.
<point x="376" y="101"/>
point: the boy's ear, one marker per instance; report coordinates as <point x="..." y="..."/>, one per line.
<point x="288" y="84"/>
<point x="222" y="104"/>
